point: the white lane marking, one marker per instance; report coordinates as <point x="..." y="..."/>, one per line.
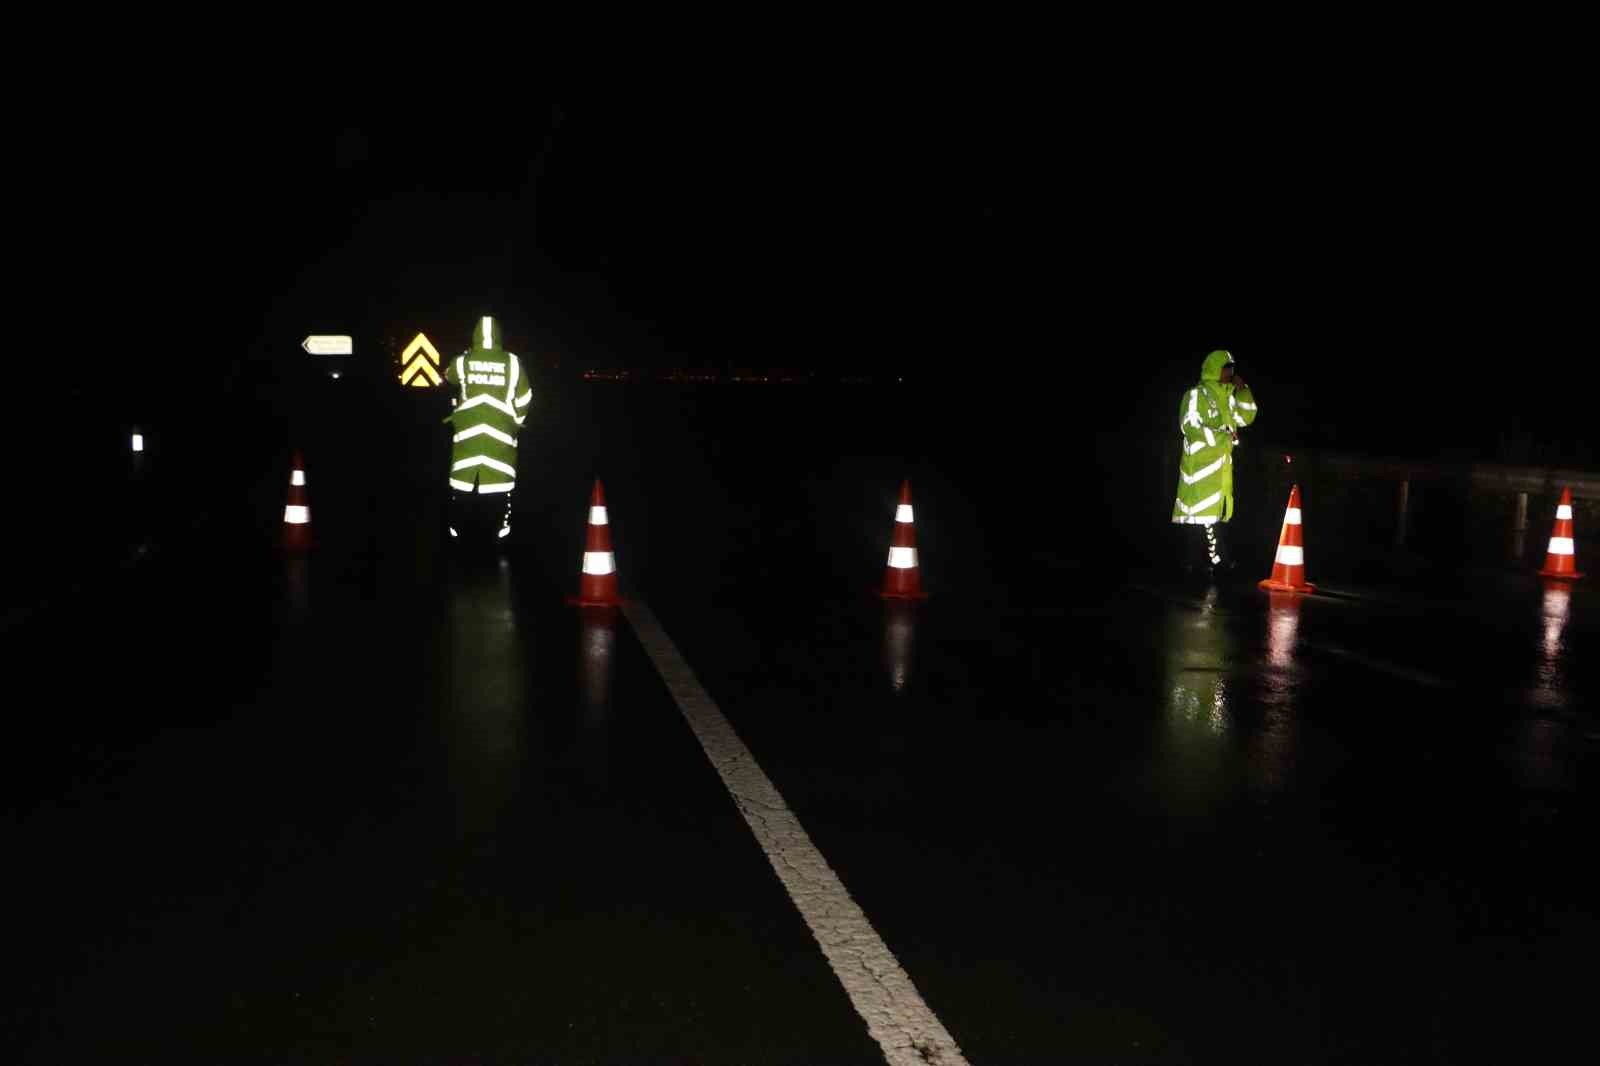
<point x="904" y="1027"/>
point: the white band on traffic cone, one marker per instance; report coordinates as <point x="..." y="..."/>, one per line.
<point x="599" y="563"/>
<point x="903" y="558"/>
<point x="1561" y="546"/>
<point x="597" y="516"/>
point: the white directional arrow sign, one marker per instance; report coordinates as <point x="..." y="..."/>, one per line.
<point x="328" y="345"/>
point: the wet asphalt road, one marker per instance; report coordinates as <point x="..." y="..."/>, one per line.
<point x="387" y="804"/>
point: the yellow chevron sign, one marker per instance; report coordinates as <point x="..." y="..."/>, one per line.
<point x="419" y="366"/>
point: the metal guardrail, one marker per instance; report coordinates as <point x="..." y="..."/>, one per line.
<point x="1490" y="476"/>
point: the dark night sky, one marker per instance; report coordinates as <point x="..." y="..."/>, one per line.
<point x="1395" y="271"/>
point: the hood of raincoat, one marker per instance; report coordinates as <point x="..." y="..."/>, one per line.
<point x="486" y="334"/>
<point x="1211" y="369"/>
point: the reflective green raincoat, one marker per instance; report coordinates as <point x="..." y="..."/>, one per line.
<point x="1207" y="417"/>
<point x="490" y="407"/>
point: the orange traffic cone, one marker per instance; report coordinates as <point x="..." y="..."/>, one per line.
<point x="1289" y="568"/>
<point x="902" y="578"/>
<point x="598" y="585"/>
<point x="297" y="513"/>
<point x="1559" y="561"/>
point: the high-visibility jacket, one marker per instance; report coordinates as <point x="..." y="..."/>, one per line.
<point x="1207" y="416"/>
<point x="491" y="403"/>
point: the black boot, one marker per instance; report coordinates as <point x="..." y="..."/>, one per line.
<point x="1186" y="557"/>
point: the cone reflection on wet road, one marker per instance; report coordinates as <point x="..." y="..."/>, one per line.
<point x="1551" y="667"/>
<point x="597" y="640"/>
<point x="1283" y="626"/>
<point x="297" y="586"/>
<point x="1273" y="744"/>
<point x="1557" y="608"/>
<point x="1543" y="754"/>
<point x="899" y="642"/>
<point x="597" y="644"/>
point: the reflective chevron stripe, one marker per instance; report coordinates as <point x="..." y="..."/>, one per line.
<point x="485" y="431"/>
<point x="483" y="460"/>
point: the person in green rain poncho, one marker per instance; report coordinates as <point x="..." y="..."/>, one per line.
<point x="1210" y="417"/>
<point x="489" y="408"/>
